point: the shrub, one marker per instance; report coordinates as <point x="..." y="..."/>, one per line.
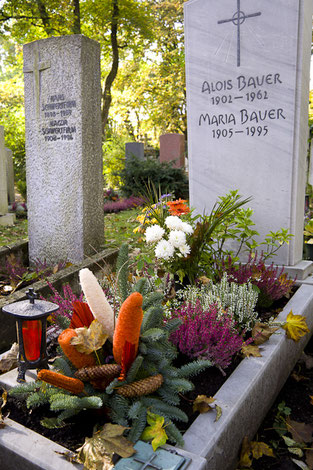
<point x="138" y="173"/>
<point x="205" y="335"/>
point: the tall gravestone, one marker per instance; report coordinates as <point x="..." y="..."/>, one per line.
<point x="63" y="148"/>
<point x="247" y="64"/>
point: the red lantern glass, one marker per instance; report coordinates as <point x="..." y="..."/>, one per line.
<point x="32" y="332"/>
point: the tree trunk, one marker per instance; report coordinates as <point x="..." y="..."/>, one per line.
<point x="76" y="25"/>
<point x="44" y="17"/>
<point x="106" y="96"/>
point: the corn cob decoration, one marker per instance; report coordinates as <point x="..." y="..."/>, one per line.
<point x="106" y="371"/>
<point x="97" y="300"/>
<point x="77" y="358"/>
<point x="128" y="327"/>
<point x="141" y="387"/>
<point x="70" y="384"/>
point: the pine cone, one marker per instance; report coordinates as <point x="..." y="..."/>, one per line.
<point x="106" y="371"/>
<point x="141" y="387"/>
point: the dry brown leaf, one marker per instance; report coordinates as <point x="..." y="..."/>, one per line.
<point x="98" y="450"/>
<point x="218" y="413"/>
<point x="9" y="359"/>
<point x="298" y="378"/>
<point x="204" y="280"/>
<point x="300" y="432"/>
<point x="261" y="332"/>
<point x="4" y="398"/>
<point x="251" y="350"/>
<point x="90" y="339"/>
<point x="202" y="404"/>
<point x="245" y="453"/>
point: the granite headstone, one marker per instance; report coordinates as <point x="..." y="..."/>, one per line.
<point x="63" y="148"/>
<point x="172" y="149"/>
<point x="247" y="65"/>
<point x="134" y="149"/>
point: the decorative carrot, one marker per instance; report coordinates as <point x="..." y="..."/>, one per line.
<point x="77" y="358"/>
<point x="128" y="325"/>
<point x="70" y="384"/>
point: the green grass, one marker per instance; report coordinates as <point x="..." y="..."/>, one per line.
<point x="13" y="234"/>
<point x="118" y="229"/>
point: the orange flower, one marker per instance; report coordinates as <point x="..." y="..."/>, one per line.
<point x="178" y="207"/>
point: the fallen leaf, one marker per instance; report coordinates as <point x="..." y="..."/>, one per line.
<point x="245" y="453"/>
<point x="90" y="339"/>
<point x="155" y="432"/>
<point x="97" y="451"/>
<point x="296" y="450"/>
<point x="298" y="378"/>
<point x="295" y="326"/>
<point x="204" y="280"/>
<point x="260" y="448"/>
<point x="9" y="359"/>
<point x="4" y="398"/>
<point x="218" y="413"/>
<point x="300" y="432"/>
<point x="300" y="464"/>
<point x="202" y="404"/>
<point x="69" y="456"/>
<point x="261" y="332"/>
<point x="251" y="350"/>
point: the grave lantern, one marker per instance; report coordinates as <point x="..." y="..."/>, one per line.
<point x="31" y="323"/>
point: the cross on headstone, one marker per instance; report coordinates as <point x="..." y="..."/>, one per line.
<point x="237" y="19"/>
<point x="36" y="68"/>
<point x="148" y="464"/>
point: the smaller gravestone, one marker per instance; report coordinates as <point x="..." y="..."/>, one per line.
<point x="134" y="149"/>
<point x="172" y="149"/>
<point x="10" y="176"/>
<point x="5" y="217"/>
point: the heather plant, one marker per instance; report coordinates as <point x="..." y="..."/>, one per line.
<point x="122" y="204"/>
<point x="64" y="301"/>
<point x="238" y="299"/>
<point x="271" y="281"/>
<point x="205" y="334"/>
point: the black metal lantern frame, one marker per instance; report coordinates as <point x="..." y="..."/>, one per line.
<point x="28" y="312"/>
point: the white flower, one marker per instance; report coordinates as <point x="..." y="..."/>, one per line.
<point x="184" y="249"/>
<point x="187" y="228"/>
<point x="173" y="222"/>
<point x="177" y="238"/>
<point x="154" y="233"/>
<point x="164" y="250"/>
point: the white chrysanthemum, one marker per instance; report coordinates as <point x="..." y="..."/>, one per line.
<point x="154" y="233"/>
<point x="184" y="249"/>
<point x="164" y="250"/>
<point x="173" y="222"/>
<point x="187" y="228"/>
<point x="177" y="238"/>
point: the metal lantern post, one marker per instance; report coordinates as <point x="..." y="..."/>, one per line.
<point x="31" y="322"/>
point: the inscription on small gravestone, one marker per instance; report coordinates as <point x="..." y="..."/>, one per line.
<point x="247" y="77"/>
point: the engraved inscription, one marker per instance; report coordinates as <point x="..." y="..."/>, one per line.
<point x="59" y="124"/>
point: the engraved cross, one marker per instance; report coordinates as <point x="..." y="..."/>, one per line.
<point x="237" y="19"/>
<point x="36" y="68"/>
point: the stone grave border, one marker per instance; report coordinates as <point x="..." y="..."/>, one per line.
<point x="245" y="398"/>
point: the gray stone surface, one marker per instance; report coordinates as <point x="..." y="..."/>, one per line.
<point x="249" y="392"/>
<point x="10" y="176"/>
<point x="247" y="108"/>
<point x="134" y="149"/>
<point x="172" y="149"/>
<point x="63" y="148"/>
